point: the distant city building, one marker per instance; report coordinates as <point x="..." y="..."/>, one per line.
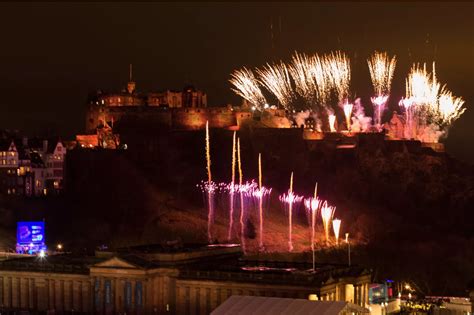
<point x="31" y="167"/>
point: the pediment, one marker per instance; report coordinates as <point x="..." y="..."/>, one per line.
<point x="116" y="262"/>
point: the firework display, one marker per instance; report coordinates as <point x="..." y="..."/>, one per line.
<point x="290" y="201"/>
<point x="276" y="79"/>
<point x="246" y="85"/>
<point x="254" y="200"/>
<point x="323" y="83"/>
<point x="381" y="69"/>
<point x="430" y="108"/>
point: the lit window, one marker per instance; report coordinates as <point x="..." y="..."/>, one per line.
<point x="9" y="191"/>
<point x="45" y="191"/>
<point x="56" y="184"/>
<point x="4" y="162"/>
<point x="13" y="190"/>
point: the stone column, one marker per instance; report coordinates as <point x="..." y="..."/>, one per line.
<point x="214" y="298"/>
<point x="366" y="295"/>
<point x="31" y="293"/>
<point x="356" y="294"/>
<point x="192" y="300"/>
<point x="203" y="301"/>
<point x="15" y="292"/>
<point x="76" y="295"/>
<point x="52" y="294"/>
<point x="42" y="294"/>
<point x="88" y="297"/>
<point x="118" y="299"/>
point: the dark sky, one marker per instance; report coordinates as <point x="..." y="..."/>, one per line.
<point x="52" y="55"/>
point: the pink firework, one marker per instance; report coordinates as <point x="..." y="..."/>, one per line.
<point x="379" y="103"/>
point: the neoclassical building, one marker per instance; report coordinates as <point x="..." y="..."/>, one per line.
<point x="164" y="280"/>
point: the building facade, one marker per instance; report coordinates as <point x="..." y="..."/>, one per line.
<point x="188" y="281"/>
<point x="31" y="167"/>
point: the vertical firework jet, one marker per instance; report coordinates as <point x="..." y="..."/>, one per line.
<point x="276" y="79"/>
<point x="241" y="193"/>
<point x="312" y="205"/>
<point x="336" y="225"/>
<point x="210" y="190"/>
<point x="348" y="114"/>
<point x="332" y="122"/>
<point x="290" y="200"/>
<point x="260" y="201"/>
<point x="381" y="69"/>
<point x="326" y="215"/>
<point x="246" y="85"/>
<point x="232" y="190"/>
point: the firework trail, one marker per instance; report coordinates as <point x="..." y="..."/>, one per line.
<point x="276" y="79"/>
<point x="339" y="71"/>
<point x="210" y="187"/>
<point x="336" y="225"/>
<point x="241" y="193"/>
<point x="348" y="114"/>
<point x="232" y="191"/>
<point x="246" y="85"/>
<point x="312" y="206"/>
<point x="290" y="200"/>
<point x="326" y="214"/>
<point x="332" y="122"/>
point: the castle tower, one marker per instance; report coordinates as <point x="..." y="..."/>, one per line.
<point x="131" y="84"/>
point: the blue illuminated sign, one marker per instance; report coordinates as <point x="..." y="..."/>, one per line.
<point x="30" y="232"/>
<point x="30" y="237"/>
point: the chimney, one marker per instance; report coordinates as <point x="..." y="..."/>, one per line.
<point x="24" y="141"/>
<point x="45" y="146"/>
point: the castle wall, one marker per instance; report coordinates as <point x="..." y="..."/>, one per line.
<point x="196" y="118"/>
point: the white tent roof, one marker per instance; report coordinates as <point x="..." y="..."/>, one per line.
<point x="256" y="305"/>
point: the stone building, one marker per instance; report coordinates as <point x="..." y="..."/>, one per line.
<point x="105" y="108"/>
<point x="159" y="280"/>
<point x="31" y="167"/>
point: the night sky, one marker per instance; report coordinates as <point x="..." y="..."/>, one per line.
<point x="52" y="55"/>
